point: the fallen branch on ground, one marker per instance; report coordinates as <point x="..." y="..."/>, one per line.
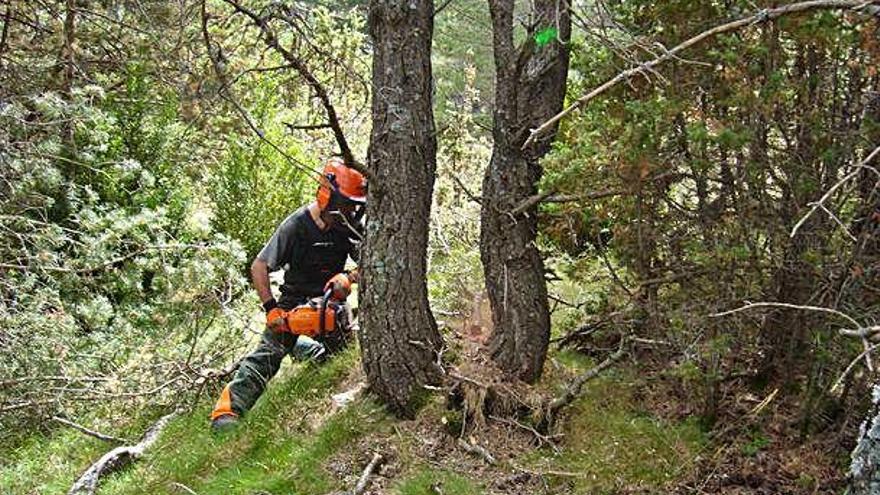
<point x="574" y="389"/>
<point x="566" y="474"/>
<point x="478" y="451"/>
<point x="118" y="458"/>
<point x="91" y="433"/>
<point x="368" y="471"/>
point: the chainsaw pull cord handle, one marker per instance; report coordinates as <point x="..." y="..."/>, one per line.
<point x="322" y="319"/>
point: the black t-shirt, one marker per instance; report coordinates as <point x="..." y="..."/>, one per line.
<point x="308" y="255"/>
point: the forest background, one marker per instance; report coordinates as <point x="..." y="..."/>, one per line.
<point x="150" y="148"/>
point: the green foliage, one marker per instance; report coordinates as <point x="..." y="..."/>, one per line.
<point x="455" y="273"/>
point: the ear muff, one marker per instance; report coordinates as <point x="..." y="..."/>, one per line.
<point x="323" y="197"/>
<point x="326" y="190"/>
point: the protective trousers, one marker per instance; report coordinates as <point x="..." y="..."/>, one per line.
<point x="258" y="367"/>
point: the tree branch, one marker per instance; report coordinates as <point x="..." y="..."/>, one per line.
<point x="368" y="471"/>
<point x="574" y="389"/>
<point x="118" y="458"/>
<point x="765" y="15"/>
<point x="300" y="66"/>
<point x="863" y="165"/>
<point x="91" y="433"/>
<point x="858" y="331"/>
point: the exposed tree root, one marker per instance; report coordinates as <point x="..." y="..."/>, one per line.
<point x="118" y="458"/>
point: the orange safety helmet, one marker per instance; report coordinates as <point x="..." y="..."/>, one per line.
<point x="340" y="184"/>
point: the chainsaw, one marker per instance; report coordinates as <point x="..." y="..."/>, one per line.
<point x="322" y="318"/>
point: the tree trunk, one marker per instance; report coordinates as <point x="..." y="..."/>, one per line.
<point x="399" y="336"/>
<point x="530" y="88"/>
<point x="864" y="471"/>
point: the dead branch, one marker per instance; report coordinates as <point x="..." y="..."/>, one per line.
<point x="272" y="41"/>
<point x="184" y="488"/>
<point x="118" y="458"/>
<point x="91" y="433"/>
<point x="478" y="451"/>
<point x="368" y="471"/>
<point x="863" y="165"/>
<point x="859" y="331"/>
<point x="788" y="306"/>
<point x="765" y="15"/>
<point x="306" y="127"/>
<point x="574" y="389"/>
<point x="548" y="473"/>
<point x="471" y="196"/>
<point x="542" y="439"/>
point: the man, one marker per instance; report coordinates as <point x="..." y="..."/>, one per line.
<point x="311" y="245"/>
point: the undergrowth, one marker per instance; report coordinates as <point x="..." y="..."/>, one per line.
<point x="291" y="438"/>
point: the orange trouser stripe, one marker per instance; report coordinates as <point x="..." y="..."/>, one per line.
<point x="224" y="405"/>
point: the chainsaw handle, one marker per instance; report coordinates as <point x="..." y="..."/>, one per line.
<point x="323" y="316"/>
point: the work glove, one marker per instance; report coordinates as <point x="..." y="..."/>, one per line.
<point x="276" y="320"/>
<point x="341" y="285"/>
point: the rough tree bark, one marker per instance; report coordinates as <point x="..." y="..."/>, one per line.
<point x="864" y="471"/>
<point x="530" y="88"/>
<point x="399" y="336"/>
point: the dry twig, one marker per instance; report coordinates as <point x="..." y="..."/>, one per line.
<point x="863" y="165"/>
<point x="368" y="471"/>
<point x="574" y="389"/>
<point x="91" y="433"/>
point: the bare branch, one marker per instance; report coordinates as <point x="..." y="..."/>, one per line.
<point x="574" y="389"/>
<point x="305" y="72"/>
<point x="863" y="165"/>
<point x="765" y="15"/>
<point x="857" y="326"/>
<point x="820" y="309"/>
<point x="118" y="458"/>
<point x="368" y="471"/>
<point x="91" y="433"/>
<point x="477" y="450"/>
<point x="852" y="364"/>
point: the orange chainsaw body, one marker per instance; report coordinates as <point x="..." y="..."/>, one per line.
<point x="305" y="319"/>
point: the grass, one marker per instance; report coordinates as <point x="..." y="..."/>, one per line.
<point x="275" y="448"/>
<point x="610" y="444"/>
<point x="288" y="441"/>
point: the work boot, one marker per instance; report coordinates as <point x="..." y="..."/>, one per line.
<point x="226" y="422"/>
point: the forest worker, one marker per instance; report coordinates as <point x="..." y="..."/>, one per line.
<point x="311" y="245"/>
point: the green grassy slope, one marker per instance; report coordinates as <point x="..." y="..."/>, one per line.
<point x="293" y="443"/>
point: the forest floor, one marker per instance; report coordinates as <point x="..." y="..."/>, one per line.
<point x="632" y="431"/>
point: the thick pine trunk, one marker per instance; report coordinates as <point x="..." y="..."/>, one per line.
<point x="529" y="89"/>
<point x="514" y="270"/>
<point x="399" y="336"/>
